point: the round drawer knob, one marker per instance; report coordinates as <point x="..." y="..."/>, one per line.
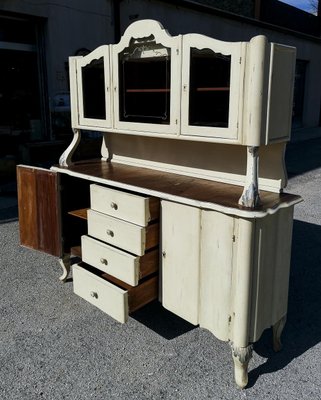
<point x="104" y="261"/>
<point x="110" y="233"/>
<point x="114" y="205"/>
<point x="94" y="295"/>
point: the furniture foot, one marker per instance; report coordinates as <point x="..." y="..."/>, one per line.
<point x="277" y="332"/>
<point x="65" y="265"/>
<point x="241" y="358"/>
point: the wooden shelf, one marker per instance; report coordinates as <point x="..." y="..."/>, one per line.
<point x="76" y="251"/>
<point x="147" y="90"/>
<point x="212" y="89"/>
<point x="82" y="213"/>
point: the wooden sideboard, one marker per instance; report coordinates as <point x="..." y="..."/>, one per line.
<point x="186" y="204"/>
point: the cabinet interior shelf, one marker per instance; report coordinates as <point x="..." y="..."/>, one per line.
<point x="147" y="90"/>
<point x="212" y="89"/>
<point x="81" y="213"/>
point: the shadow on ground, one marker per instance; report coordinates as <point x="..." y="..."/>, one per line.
<point x="301" y="157"/>
<point x="303" y="329"/>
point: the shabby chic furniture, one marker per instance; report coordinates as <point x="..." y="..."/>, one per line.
<point x="186" y="203"/>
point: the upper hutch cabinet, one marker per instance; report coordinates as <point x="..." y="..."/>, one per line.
<point x="189" y="87"/>
<point x="91" y="82"/>
<point x="146" y="73"/>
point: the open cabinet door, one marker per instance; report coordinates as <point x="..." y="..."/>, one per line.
<point x="39" y="209"/>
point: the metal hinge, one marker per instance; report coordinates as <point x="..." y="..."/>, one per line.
<point x="233" y="238"/>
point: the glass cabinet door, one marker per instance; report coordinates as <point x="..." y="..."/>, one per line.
<point x="144" y="84"/>
<point x="94" y="100"/>
<point x="146" y="73"/>
<point x="211" y="81"/>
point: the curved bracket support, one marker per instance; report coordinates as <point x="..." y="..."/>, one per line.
<point x="250" y="197"/>
<point x="65" y="265"/>
<point x="65" y="158"/>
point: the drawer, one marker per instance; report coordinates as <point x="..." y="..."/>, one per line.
<point x="114" y="299"/>
<point x="130" y="237"/>
<point x="124" y="266"/>
<point x="133" y="208"/>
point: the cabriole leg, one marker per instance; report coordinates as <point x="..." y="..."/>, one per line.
<point x="65" y="265"/>
<point x="277" y="332"/>
<point x="241" y="358"/>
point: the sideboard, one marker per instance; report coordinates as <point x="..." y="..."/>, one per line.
<point x="186" y="204"/>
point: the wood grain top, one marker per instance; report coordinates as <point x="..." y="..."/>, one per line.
<point x="188" y="190"/>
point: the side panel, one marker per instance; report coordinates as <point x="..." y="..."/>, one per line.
<point x="38" y="204"/>
<point x="272" y="258"/>
<point x="280" y="97"/>
<point x="180" y="262"/>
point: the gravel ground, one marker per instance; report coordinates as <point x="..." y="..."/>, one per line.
<point x="54" y="345"/>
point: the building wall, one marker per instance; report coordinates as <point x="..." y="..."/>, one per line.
<point x="185" y="20"/>
<point x="69" y="26"/>
<point x="75" y="24"/>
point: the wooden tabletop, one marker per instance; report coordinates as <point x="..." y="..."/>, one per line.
<point x="188" y="190"/>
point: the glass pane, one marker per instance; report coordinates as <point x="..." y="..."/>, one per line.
<point x="209" y="88"/>
<point x="93" y="86"/>
<point x="15" y="30"/>
<point x="144" y="82"/>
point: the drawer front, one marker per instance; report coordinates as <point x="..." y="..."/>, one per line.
<point x="107" y="297"/>
<point x="120" y="264"/>
<point x="117" y="300"/>
<point x="130" y="237"/>
<point x="129" y="207"/>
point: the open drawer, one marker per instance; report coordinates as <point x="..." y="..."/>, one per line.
<point x="118" y="263"/>
<point x="130" y="207"/>
<point x="130" y="237"/>
<point x="112" y="296"/>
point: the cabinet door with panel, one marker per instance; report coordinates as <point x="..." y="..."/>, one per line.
<point x="39" y="209"/>
<point x="180" y="259"/>
<point x="146" y="74"/>
<point x="212" y="81"/>
<point x="93" y="89"/>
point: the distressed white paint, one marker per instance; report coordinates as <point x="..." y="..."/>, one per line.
<point x="180" y="260"/>
<point x="101" y="293"/>
<point x="113" y="261"/>
<point x="126" y="206"/>
<point x="119" y="233"/>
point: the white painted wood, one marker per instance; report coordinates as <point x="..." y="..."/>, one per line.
<point x="73" y="83"/>
<point x="111" y="260"/>
<point x="281" y="86"/>
<point x="237" y="53"/>
<point x="256" y="88"/>
<point x="116" y="232"/>
<point x="242" y="283"/>
<point x="65" y="159"/>
<point x="245" y="267"/>
<point x="216" y="266"/>
<point x="101" y="52"/>
<point x="136" y="32"/>
<point x="127" y="206"/>
<point x="101" y="293"/>
<point x="272" y="258"/>
<point x="180" y="260"/>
